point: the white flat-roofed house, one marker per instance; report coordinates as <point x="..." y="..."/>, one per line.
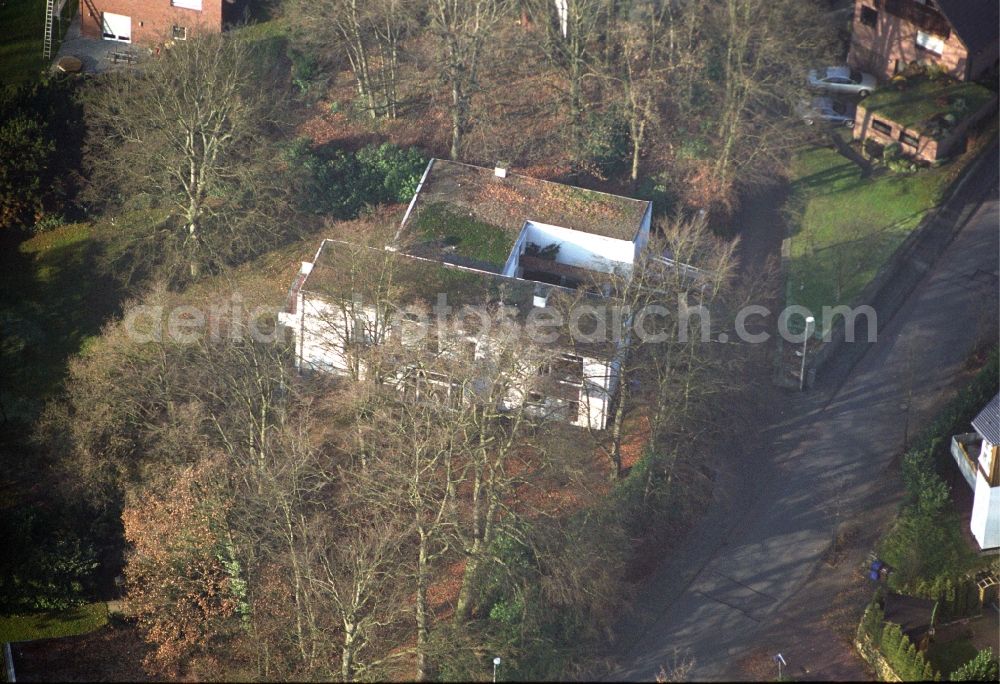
<point x="475" y="237"/>
<point x="979" y="461"/>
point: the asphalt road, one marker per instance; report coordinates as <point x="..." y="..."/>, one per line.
<point x="815" y="463"/>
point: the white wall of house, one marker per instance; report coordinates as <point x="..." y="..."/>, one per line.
<point x="597" y="389"/>
<point x="985" y="521"/>
<point x="510" y="268"/>
<point x="319" y="329"/>
<point x="583" y="250"/>
<point x="592" y="397"/>
<point x="986" y="454"/>
<point x="642" y="237"/>
<point x="320" y="337"/>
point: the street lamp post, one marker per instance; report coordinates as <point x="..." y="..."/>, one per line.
<point x="496" y="664"/>
<point x="810" y="325"/>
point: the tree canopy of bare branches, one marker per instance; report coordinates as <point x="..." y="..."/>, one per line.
<point x="193" y="129"/>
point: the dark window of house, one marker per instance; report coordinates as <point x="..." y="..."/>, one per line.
<point x="908" y="139"/>
<point x="881" y="127"/>
<point x="569" y="368"/>
<point x="180" y="33"/>
<point x="869" y="16"/>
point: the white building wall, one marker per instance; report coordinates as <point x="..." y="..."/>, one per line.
<point x="642" y="238"/>
<point x="985" y="521"/>
<point x="510" y="268"/>
<point x="320" y="330"/>
<point x="985" y="454"/>
<point x="597" y="388"/>
<point x="323" y="332"/>
<point x="583" y="250"/>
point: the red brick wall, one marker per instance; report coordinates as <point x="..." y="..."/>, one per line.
<point x="876" y="49"/>
<point x="152" y="20"/>
<point x="927" y="148"/>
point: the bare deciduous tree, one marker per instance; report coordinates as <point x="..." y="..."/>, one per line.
<point x="193" y="129"/>
<point x="573" y="29"/>
<point x="462" y="28"/>
<point x="370" y="34"/>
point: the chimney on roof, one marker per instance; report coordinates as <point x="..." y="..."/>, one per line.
<point x="541" y="296"/>
<point x="500" y="170"/>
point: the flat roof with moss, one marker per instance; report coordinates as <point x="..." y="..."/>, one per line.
<point x="466" y="214"/>
<point x="918" y="102"/>
<point x="346" y="272"/>
<point x="343" y="270"/>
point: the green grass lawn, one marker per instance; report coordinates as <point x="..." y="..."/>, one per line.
<point x="21" y="48"/>
<point x="79" y="620"/>
<point x="843" y="227"/>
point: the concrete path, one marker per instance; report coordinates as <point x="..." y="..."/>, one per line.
<point x="818" y="461"/>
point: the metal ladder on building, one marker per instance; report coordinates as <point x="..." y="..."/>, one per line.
<point x="49" y="17"/>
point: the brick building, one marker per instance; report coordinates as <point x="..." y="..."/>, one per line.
<point x="149" y="22"/>
<point x="961" y="36"/>
<point x="929" y="118"/>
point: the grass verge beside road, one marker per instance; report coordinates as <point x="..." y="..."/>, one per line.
<point x="845" y="226"/>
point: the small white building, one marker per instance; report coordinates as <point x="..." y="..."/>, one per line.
<point x="977" y="457"/>
<point x="476" y="237"/>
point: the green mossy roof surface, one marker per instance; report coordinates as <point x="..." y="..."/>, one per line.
<point x="916" y="101"/>
<point x="467" y="212"/>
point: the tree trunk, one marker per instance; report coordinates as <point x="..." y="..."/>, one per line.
<point x="421" y="608"/>
<point x="616" y="428"/>
<point x="637" y="135"/>
<point x="463" y="606"/>
<point x="457" y="121"/>
<point x="347" y="653"/>
<point x="194" y="265"/>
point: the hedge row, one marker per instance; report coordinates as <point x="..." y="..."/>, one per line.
<point x="896" y="648"/>
<point x="957" y="598"/>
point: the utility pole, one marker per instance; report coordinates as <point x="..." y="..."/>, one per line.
<point x="496" y="664"/>
<point x="810" y="326"/>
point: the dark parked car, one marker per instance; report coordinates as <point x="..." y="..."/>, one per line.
<point x="827" y="109"/>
